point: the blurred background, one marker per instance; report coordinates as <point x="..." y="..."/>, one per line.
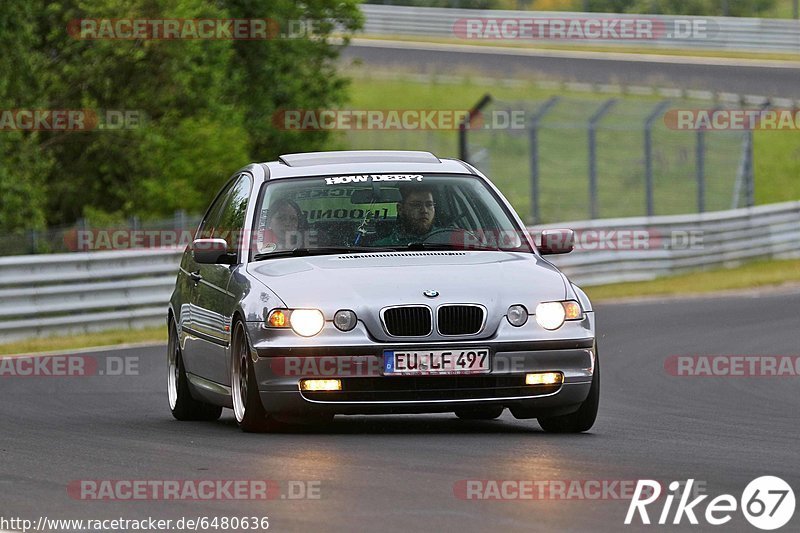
<point x="176" y="117"/>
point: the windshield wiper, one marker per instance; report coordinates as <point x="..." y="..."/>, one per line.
<point x="449" y="246"/>
<point x="323" y="250"/>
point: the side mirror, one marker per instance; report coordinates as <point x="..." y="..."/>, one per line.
<point x="212" y="252"/>
<point x="557" y="241"/>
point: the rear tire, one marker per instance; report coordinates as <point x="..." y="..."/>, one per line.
<point x="481" y="413"/>
<point x="583" y="419"/>
<point x="181" y="403"/>
<point x="247" y="407"/>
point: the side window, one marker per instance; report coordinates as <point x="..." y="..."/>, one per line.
<point x="213" y="215"/>
<point x="233" y="213"/>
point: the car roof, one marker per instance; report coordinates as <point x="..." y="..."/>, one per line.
<point x="362" y="162"/>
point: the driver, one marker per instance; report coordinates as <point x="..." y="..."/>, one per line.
<point x="415" y="213"/>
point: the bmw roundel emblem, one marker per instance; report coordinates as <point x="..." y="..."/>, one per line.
<point x="431" y="293"/>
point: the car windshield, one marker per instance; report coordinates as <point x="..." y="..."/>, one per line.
<point x="382" y="212"/>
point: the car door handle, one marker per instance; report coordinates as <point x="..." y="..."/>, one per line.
<point x="196" y="277"/>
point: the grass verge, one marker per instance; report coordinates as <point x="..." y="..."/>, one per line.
<point x="86" y="340"/>
<point x="751" y="275"/>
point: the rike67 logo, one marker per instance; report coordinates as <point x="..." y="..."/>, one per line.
<point x="767" y="503"/>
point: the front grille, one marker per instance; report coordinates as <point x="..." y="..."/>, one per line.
<point x="459" y="319"/>
<point x="409" y="321"/>
<point x="421" y="388"/>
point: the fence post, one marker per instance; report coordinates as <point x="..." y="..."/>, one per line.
<point x="648" y="154"/>
<point x="463" y="148"/>
<point x="604" y="108"/>
<point x="533" y="136"/>
<point x="749" y="176"/>
<point x="701" y="171"/>
<point x="180" y="220"/>
<point x="34" y="240"/>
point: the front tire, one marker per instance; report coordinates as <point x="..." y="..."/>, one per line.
<point x="181" y="403"/>
<point x="247" y="407"/>
<point x="583" y="419"/>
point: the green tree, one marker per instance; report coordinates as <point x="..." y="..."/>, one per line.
<point x="297" y="71"/>
<point x="207" y="104"/>
<point x="23" y="165"/>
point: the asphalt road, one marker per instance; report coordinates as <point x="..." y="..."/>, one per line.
<point x="723" y="75"/>
<point x="398" y="473"/>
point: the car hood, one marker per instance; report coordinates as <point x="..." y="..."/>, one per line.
<point x="366" y="283"/>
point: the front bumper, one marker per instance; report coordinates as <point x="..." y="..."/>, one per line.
<point x="366" y="391"/>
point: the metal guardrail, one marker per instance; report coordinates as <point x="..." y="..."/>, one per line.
<point x="723" y="33"/>
<point x="86" y="292"/>
<point x="724" y="239"/>
<point x="63" y="294"/>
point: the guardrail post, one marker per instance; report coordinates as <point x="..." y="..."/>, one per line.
<point x="533" y="136"/>
<point x="463" y="148"/>
<point x="648" y="154"/>
<point x="604" y="108"/>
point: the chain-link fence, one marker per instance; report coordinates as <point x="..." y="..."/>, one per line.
<point x="586" y="158"/>
<point x="573" y="158"/>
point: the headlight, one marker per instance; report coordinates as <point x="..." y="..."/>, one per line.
<point x="551" y="315"/>
<point x="306" y="322"/>
<point x="345" y="320"/>
<point x="517" y="315"/>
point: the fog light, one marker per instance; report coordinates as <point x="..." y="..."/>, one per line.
<point x="544" y="378"/>
<point x="321" y="384"/>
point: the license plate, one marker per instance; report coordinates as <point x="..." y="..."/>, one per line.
<point x="427" y="362"/>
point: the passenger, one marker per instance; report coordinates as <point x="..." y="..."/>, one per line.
<point x="284" y="220"/>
